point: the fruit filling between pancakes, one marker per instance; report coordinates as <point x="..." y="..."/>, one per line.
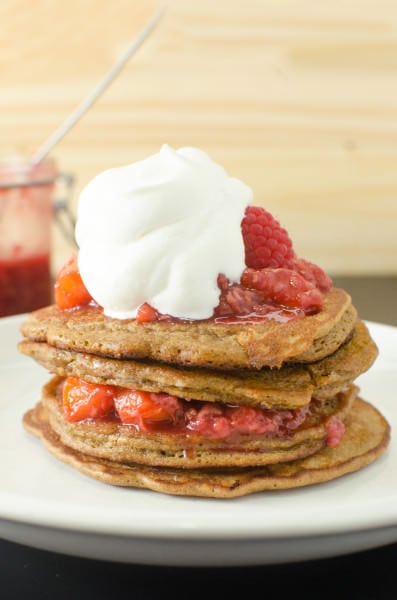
<point x="161" y="412"/>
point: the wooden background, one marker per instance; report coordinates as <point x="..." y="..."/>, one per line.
<point x="296" y="97"/>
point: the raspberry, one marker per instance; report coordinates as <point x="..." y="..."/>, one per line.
<point x="284" y="287"/>
<point x="313" y="273"/>
<point x="266" y="243"/>
<point x="235" y="300"/>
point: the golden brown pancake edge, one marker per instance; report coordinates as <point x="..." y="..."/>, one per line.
<point x="214" y="345"/>
<point x="290" y="386"/>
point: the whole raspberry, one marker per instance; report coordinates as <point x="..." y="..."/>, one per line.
<point x="266" y="243"/>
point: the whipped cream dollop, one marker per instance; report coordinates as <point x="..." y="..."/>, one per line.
<point x="160" y="231"/>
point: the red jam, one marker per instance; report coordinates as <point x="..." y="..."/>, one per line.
<point x="25" y="284"/>
<point x="26" y="214"/>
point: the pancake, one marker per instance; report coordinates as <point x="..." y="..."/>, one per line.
<point x="287" y="387"/>
<point x="365" y="440"/>
<point x="220" y="345"/>
<point x="124" y="443"/>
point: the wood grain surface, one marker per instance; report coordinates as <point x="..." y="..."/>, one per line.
<point x="296" y="97"/>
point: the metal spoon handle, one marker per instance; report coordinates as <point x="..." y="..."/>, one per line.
<point x="82" y="108"/>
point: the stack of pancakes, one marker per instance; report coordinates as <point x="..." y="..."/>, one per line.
<point x="273" y="364"/>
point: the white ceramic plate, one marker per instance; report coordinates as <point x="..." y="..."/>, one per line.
<point x="47" y="504"/>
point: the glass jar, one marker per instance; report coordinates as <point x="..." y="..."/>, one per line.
<point x="27" y="210"/>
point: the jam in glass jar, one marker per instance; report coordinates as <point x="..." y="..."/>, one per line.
<point x="26" y="215"/>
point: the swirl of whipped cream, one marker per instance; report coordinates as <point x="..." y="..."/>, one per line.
<point x="160" y="231"/>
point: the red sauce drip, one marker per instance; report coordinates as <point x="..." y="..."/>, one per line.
<point x="281" y="315"/>
<point x="335" y="432"/>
